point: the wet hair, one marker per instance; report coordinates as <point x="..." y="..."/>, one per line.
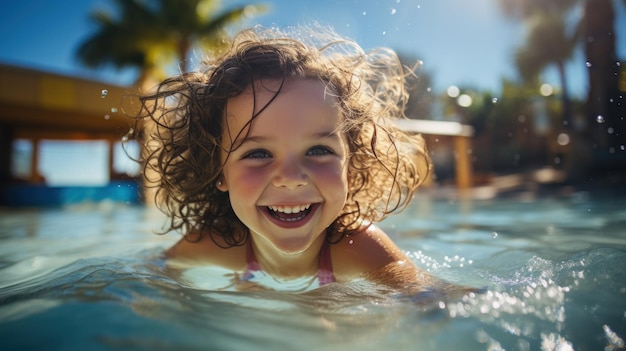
<point x="182" y="124"/>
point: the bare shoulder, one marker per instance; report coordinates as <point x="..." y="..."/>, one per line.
<point x="370" y="254"/>
<point x="195" y="249"/>
<point x="367" y="250"/>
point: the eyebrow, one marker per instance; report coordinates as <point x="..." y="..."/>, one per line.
<point x="322" y="135"/>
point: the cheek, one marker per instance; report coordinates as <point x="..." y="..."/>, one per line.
<point x="334" y="178"/>
<point x="248" y="182"/>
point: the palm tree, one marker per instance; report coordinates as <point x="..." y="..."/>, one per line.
<point x="548" y="41"/>
<point x="122" y="42"/>
<point x="149" y="35"/>
<point x="604" y="102"/>
<point x="596" y="33"/>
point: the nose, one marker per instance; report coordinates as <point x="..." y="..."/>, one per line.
<point x="290" y="175"/>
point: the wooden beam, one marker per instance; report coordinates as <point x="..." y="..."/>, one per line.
<point x="462" y="156"/>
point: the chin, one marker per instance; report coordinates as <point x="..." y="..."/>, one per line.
<point x="292" y="246"/>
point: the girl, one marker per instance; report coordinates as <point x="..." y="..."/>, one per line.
<point x="281" y="154"/>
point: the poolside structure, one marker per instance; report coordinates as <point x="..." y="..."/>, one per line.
<point x="461" y="138"/>
<point x="36" y="106"/>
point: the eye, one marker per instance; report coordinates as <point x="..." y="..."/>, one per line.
<point x="320" y="150"/>
<point x="256" y="154"/>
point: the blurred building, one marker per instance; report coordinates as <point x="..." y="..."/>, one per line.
<point x="41" y="108"/>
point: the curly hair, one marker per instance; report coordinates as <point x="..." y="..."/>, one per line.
<point x="182" y="123"/>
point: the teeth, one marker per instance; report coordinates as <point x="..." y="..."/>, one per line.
<point x="290" y="209"/>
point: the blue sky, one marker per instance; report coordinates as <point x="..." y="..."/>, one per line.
<point x="468" y="43"/>
<point x="462" y="42"/>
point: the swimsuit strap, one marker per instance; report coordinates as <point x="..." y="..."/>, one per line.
<point x="251" y="263"/>
<point x="324" y="274"/>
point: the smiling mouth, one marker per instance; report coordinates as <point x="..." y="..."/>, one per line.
<point x="289" y="213"/>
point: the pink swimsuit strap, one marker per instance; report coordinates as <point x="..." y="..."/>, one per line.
<point x="324" y="274"/>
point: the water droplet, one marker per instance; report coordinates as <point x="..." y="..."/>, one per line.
<point x="384" y="32"/>
<point x="588" y="64"/>
<point x="621" y="147"/>
<point x="364" y="13"/>
<point x="393" y="11"/>
<point x="107" y="117"/>
<point x="104" y="93"/>
<point x="563" y="139"/>
<point x="600" y="119"/>
<point x="351" y="242"/>
<point x="113" y="109"/>
<point x="494" y="100"/>
<point x="494" y="235"/>
<point x="610" y="130"/>
<point x="618" y="64"/>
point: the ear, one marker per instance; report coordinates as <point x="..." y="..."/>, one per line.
<point x="221" y="184"/>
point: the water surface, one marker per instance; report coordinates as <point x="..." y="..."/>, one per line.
<point x="553" y="269"/>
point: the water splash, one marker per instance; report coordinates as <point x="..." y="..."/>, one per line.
<point x="553" y="342"/>
<point x="128" y="135"/>
<point x="615" y="342"/>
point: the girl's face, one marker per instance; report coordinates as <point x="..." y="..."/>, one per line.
<point x="287" y="181"/>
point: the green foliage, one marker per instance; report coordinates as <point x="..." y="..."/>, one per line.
<point x="547" y="42"/>
<point x="150" y="34"/>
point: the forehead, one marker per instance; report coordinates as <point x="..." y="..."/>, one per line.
<point x="277" y="104"/>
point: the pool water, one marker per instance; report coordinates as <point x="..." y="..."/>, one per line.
<point x="89" y="277"/>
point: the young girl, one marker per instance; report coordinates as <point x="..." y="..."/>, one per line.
<point x="281" y="154"/>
